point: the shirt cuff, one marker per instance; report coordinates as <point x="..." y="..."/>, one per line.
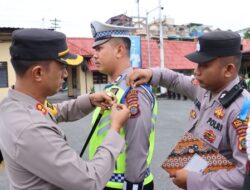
<point x="192" y="179"/>
<point x="84" y="103"/>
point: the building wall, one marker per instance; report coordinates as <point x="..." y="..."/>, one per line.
<point x="5" y="57"/>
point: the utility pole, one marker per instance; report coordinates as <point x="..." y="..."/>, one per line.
<point x="55" y="23"/>
<point x="138" y="12"/>
<point x="161" y="36"/>
<point x="163" y="90"/>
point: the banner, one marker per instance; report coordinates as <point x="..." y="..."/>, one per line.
<point x="135" y="52"/>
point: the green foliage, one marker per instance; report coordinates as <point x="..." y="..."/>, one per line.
<point x="247" y="34"/>
<point x="92" y="90"/>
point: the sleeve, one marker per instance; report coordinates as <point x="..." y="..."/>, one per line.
<point x="43" y="152"/>
<point x="223" y="179"/>
<point x="137" y="132"/>
<point x="175" y="81"/>
<point x="74" y="109"/>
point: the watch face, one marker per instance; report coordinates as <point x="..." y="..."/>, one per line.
<point x="93" y="30"/>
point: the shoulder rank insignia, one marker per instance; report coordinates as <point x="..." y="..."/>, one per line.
<point x="41" y="108"/>
<point x="219" y="112"/>
<point x="193" y="114"/>
<point x="52" y="109"/>
<point x="209" y="135"/>
<point x="133" y="103"/>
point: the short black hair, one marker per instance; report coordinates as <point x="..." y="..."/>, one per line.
<point x="125" y="41"/>
<point x="21" y="66"/>
<point x="235" y="59"/>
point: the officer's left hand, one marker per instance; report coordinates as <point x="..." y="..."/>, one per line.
<point x="102" y="99"/>
<point x="180" y="178"/>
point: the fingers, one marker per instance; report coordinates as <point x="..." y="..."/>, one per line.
<point x="131" y="78"/>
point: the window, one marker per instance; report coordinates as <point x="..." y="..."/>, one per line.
<point x="3" y="75"/>
<point x="99" y="78"/>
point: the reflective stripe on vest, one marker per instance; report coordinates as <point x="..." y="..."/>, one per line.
<point x="117" y="179"/>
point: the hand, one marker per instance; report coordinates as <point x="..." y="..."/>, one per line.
<point x="180" y="178"/>
<point x="138" y="77"/>
<point x="119" y="115"/>
<point x="102" y="99"/>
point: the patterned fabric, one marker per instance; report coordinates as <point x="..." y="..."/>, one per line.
<point x="111" y="33"/>
<point x="121" y="177"/>
<point x="187" y="147"/>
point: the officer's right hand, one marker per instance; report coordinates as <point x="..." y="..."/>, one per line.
<point x="119" y="115"/>
<point x="138" y="77"/>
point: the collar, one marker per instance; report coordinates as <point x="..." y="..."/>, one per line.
<point x="123" y="75"/>
<point x="226" y="89"/>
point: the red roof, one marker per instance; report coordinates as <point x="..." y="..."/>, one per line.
<point x="174" y="52"/>
<point x="81" y="46"/>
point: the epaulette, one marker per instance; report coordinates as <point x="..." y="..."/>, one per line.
<point x="52" y="109"/>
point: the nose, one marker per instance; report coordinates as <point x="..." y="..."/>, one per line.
<point x="197" y="71"/>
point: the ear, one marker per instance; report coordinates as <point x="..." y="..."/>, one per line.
<point x="229" y="70"/>
<point x="37" y="73"/>
<point x="120" y="49"/>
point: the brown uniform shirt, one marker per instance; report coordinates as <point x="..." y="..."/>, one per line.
<point x="36" y="153"/>
<point x="208" y="116"/>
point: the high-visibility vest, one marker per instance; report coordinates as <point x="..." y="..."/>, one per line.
<point x="117" y="179"/>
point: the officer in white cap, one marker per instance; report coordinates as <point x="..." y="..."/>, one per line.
<point x="112" y="57"/>
<point x="220" y="113"/>
<point x="34" y="148"/>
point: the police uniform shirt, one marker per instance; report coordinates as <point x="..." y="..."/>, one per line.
<point x="35" y="151"/>
<point x="217" y="126"/>
<point x="137" y="130"/>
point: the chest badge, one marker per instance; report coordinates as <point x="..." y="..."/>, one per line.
<point x="193" y="114"/>
<point x="41" y="108"/>
<point x="209" y="135"/>
<point x="219" y="112"/>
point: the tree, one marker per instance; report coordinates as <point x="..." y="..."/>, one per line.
<point x="247" y="34"/>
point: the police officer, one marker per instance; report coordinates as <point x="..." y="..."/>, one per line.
<point x="112" y="57"/>
<point x="35" y="150"/>
<point x="218" y="106"/>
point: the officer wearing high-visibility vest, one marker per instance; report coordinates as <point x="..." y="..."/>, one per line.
<point x="112" y="57"/>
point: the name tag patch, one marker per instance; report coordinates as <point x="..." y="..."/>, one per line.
<point x="215" y="124"/>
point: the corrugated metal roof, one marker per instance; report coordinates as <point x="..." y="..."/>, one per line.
<point x="174" y="52"/>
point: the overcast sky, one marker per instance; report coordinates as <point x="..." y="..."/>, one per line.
<point x="76" y="15"/>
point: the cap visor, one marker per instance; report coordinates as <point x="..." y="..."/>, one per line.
<point x="199" y="57"/>
<point x="71" y="59"/>
<point x="100" y="42"/>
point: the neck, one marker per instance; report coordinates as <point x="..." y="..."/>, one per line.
<point x="25" y="86"/>
<point x="119" y="69"/>
<point x="218" y="90"/>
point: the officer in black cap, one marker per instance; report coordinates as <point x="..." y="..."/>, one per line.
<point x="219" y="115"/>
<point x="34" y="147"/>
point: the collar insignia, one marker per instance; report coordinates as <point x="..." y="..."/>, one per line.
<point x="41" y="108"/>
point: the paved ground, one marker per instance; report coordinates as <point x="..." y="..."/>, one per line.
<point x="173" y="115"/>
